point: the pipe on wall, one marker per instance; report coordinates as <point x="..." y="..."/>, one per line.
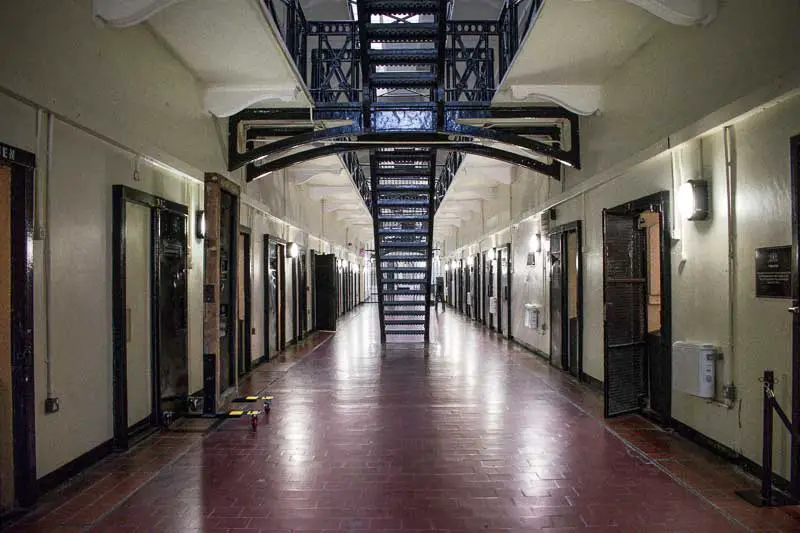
<point x="44" y="136"/>
<point x="730" y="187"/>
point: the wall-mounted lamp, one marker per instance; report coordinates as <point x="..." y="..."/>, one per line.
<point x="693" y="199"/>
<point x="470" y="261"/>
<point x="455" y="264"/>
<point x="200" y="224"/>
<point x="294" y="250"/>
<point x="535" y="243"/>
<point x="446" y="267"/>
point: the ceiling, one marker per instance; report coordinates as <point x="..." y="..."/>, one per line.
<point x="577" y="43"/>
<point x="572" y="43"/>
<point x="235" y="55"/>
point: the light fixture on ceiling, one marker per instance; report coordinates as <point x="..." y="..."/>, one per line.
<point x="693" y="199"/>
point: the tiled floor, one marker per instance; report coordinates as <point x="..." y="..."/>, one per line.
<point x="470" y="434"/>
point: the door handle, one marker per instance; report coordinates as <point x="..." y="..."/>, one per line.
<point x="794" y="309"/>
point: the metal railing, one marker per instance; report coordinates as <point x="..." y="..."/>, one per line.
<point x="768" y="496"/>
<point x="478" y="54"/>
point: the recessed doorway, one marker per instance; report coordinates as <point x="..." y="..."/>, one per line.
<point x="636" y="296"/>
<point x="17" y="424"/>
<point x="566" y="298"/>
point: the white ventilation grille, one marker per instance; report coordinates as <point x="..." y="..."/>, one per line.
<point x="693" y="368"/>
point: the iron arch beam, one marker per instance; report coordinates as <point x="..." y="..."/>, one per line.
<point x="257" y="172"/>
<point x="355" y="133"/>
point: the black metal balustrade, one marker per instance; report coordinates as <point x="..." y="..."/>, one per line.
<point x="401" y="94"/>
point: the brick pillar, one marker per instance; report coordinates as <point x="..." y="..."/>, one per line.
<point x="214" y="185"/>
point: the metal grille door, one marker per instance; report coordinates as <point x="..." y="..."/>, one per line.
<point x="625" y="293"/>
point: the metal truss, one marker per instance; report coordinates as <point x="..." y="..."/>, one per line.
<point x="532" y="140"/>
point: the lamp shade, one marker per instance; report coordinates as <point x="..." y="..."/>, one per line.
<point x="693" y="200"/>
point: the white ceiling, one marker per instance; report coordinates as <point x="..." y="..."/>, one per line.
<point x="230" y="44"/>
<point x="580" y="42"/>
<point x="572" y="43"/>
<point x="231" y="48"/>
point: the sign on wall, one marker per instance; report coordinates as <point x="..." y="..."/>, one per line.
<point x="774" y="272"/>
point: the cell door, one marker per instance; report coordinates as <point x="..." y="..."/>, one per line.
<point x="172" y="359"/>
<point x="18" y="485"/>
<point x="6" y="401"/>
<point x="504" y="292"/>
<point x="490" y="290"/>
<point x="243" y="322"/>
<point x="558" y="354"/>
<point x="303" y="292"/>
<point x="573" y="275"/>
<point x="468" y="291"/>
<point x="227" y="290"/>
<point x="625" y="299"/>
<point x="138" y="303"/>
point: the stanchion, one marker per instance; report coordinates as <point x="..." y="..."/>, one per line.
<point x="768" y="496"/>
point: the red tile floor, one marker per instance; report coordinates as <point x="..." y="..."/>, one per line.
<point x="471" y="434"/>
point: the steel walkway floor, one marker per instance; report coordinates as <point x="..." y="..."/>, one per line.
<point x="473" y="434"/>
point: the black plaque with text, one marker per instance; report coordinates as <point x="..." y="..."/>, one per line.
<point x="774" y="272"/>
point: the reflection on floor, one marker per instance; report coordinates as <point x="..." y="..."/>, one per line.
<point x="469" y="434"/>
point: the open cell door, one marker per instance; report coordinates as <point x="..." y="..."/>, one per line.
<point x="625" y="317"/>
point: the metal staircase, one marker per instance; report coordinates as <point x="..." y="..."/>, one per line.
<point x="402" y="45"/>
<point x="401" y="94"/>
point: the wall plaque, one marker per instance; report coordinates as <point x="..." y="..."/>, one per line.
<point x="774" y="272"/>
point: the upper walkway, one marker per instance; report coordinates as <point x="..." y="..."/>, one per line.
<point x="469" y="434"/>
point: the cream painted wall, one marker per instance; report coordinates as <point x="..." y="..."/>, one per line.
<point x="122" y="84"/>
<point x="699" y="254"/>
<point x="684" y="73"/>
<point x="79" y="217"/>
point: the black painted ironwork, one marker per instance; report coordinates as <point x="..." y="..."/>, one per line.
<point x="408" y="88"/>
<point x="768" y="495"/>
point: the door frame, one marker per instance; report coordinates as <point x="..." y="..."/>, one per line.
<point x="248" y="300"/>
<point x="500" y="295"/>
<point x="659" y="201"/>
<point x="121" y="195"/>
<point x="22" y="165"/>
<point x="562" y="232"/>
<point x="281" y="312"/>
<point x="794" y="162"/>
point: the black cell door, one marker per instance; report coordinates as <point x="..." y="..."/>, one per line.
<point x="325" y="275"/>
<point x="558" y="354"/>
<point x="227" y="290"/>
<point x="171" y="357"/>
<point x="625" y="298"/>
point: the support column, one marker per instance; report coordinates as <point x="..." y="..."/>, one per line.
<point x="215" y="185"/>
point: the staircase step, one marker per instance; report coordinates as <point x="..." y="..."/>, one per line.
<point x="401" y="32"/>
<point x="403" y="56"/>
<point x="389" y="270"/>
<point x="402" y="218"/>
<point x="398" y="7"/>
<point x="410" y="292"/>
<point x="402" y="203"/>
<point x="395" y="231"/>
<point x="409" y="172"/>
<point x="390" y="245"/>
<point x="403" y="80"/>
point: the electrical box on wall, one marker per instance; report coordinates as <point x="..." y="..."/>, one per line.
<point x="532" y="314"/>
<point x="693" y="370"/>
